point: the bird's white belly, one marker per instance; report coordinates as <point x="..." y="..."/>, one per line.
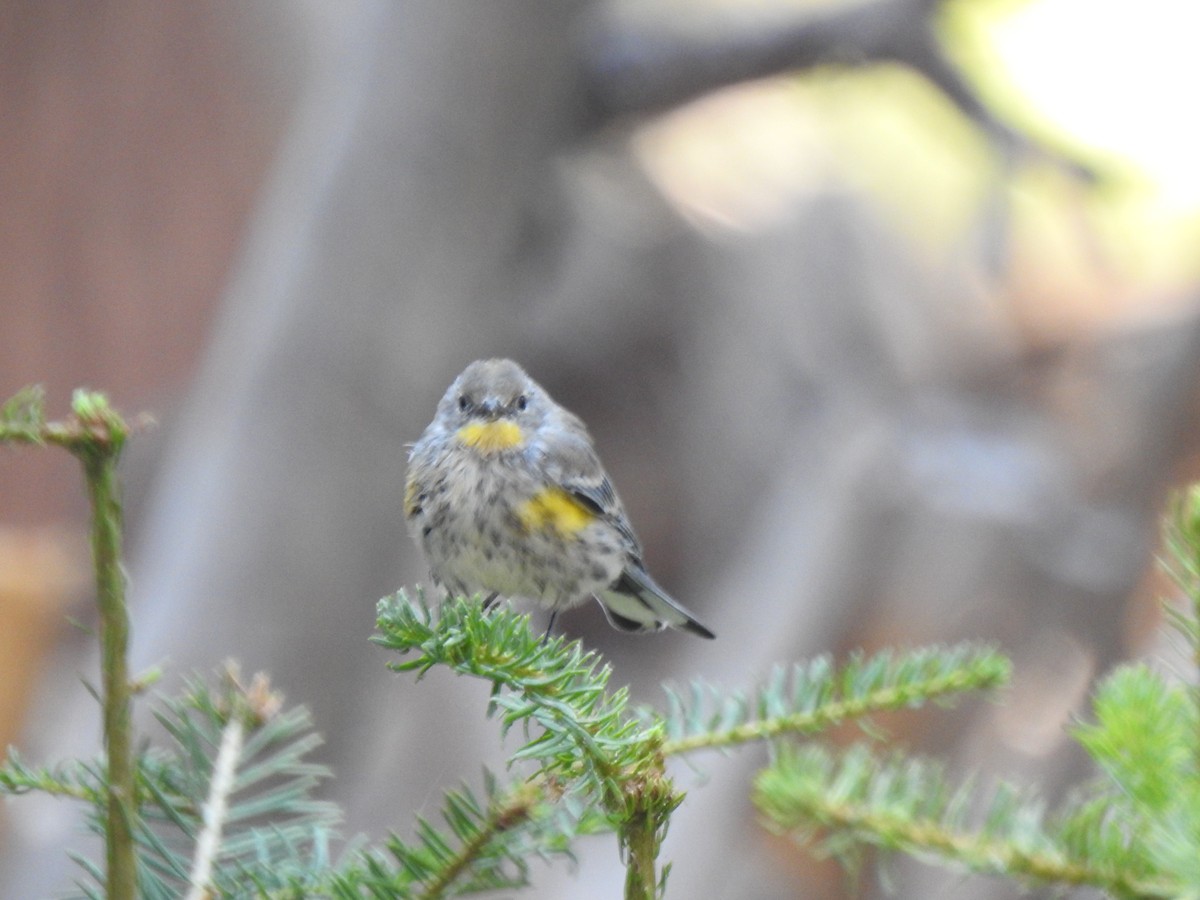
<point x="482" y="545"/>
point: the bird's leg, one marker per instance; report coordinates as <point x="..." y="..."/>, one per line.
<point x="550" y="624"/>
<point x="490" y="601"/>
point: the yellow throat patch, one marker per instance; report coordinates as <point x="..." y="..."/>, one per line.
<point x="554" y="509"/>
<point x="491" y="437"/>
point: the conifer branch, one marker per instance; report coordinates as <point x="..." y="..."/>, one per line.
<point x="1182" y="564"/>
<point x="817" y="696"/>
<point x="575" y="730"/>
<point x="583" y="731"/>
<point x="216" y="808"/>
<point x="485" y="845"/>
<point x="73" y="781"/>
<point x="227" y="808"/>
<point x="211" y="822"/>
<point x="1134" y="831"/>
<point x="641" y="833"/>
<point x="905" y="805"/>
<point x="515" y="810"/>
<point x="99" y="463"/>
<point x="23" y="417"/>
<point x="94" y="434"/>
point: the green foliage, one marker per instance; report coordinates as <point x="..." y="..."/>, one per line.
<point x="580" y="739"/>
<point x="94" y="434"/>
<point x="67" y="780"/>
<point x="93" y="430"/>
<point x="1183" y="565"/>
<point x="907" y="805"/>
<point x="585" y="744"/>
<point x="1145" y="740"/>
<point x="23" y="416"/>
<point x="486" y="845"/>
<point x="226" y="806"/>
<point x="816" y="695"/>
<point x="1143" y="737"/>
<point x="258" y="813"/>
<point x="1133" y="831"/>
<point x="574" y="727"/>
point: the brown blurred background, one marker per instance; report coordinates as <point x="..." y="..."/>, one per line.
<point x="135" y="139"/>
<point x="871" y="366"/>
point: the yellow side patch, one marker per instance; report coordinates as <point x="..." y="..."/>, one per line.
<point x="554" y="509"/>
<point x="410" y="498"/>
<point x="491" y="437"/>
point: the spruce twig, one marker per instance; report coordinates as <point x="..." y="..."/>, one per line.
<point x="216" y="807"/>
<point x="1133" y="831"/>
<point x="513" y="811"/>
<point x="576" y="729"/>
<point x="815" y="696"/>
<point x="95" y="434"/>
<point x="906" y="805"/>
<point x="98" y="450"/>
<point x="641" y="831"/>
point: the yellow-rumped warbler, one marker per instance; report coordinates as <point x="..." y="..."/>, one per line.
<point x="507" y="497"/>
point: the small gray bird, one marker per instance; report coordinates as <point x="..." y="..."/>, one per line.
<point x="507" y="497"/>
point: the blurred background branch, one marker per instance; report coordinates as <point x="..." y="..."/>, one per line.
<point x="638" y="62"/>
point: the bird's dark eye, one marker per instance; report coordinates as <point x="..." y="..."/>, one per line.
<point x="522" y="402"/>
<point x="464" y="402"/>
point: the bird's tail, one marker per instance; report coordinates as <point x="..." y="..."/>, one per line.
<point x="636" y="603"/>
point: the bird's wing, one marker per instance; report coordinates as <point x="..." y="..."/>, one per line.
<point x="570" y="462"/>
